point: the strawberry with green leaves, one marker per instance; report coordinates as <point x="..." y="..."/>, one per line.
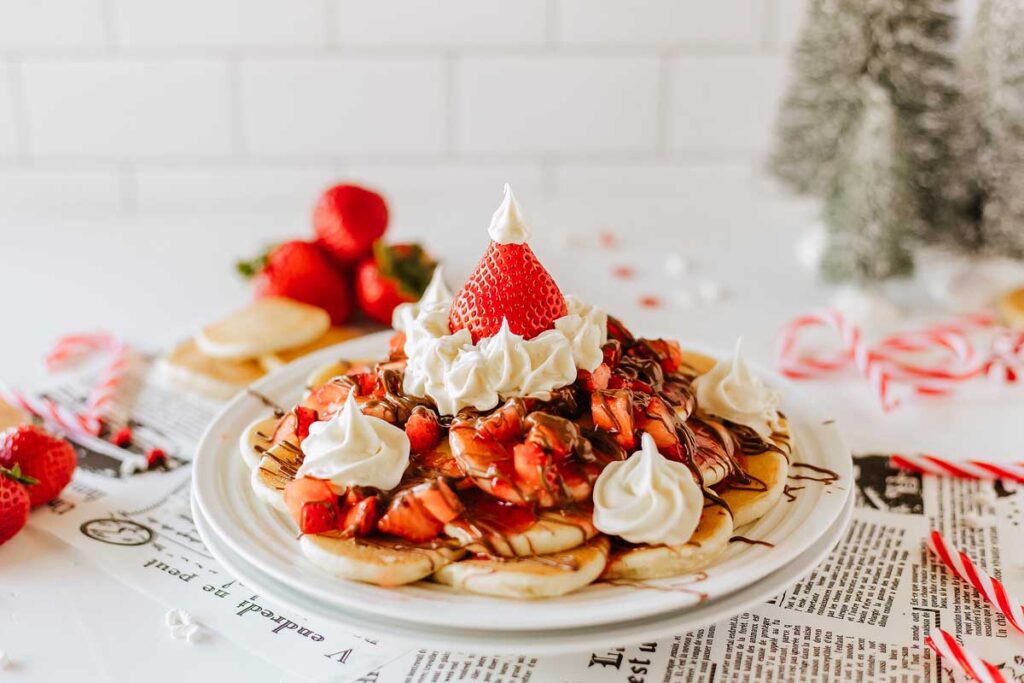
<point x="393" y="274"/>
<point x="42" y="456"/>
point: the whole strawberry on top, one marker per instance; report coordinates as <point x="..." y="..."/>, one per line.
<point x="301" y="271"/>
<point x="394" y="274"/>
<point x="509" y="283"/>
<point x="42" y="456"/>
<point x="14" y="501"/>
<point x="348" y="219"/>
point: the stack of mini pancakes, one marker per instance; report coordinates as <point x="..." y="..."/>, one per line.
<point x="228" y="355"/>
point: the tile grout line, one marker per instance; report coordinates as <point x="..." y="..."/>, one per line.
<point x="109" y="22"/>
<point x="19" y="107"/>
<point x="663" y="107"/>
<point x="332" y="15"/>
<point x="128" y="187"/>
<point x="551" y="23"/>
<point x="236" y="115"/>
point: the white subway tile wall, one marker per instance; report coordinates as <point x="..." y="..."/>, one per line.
<point x="198" y="105"/>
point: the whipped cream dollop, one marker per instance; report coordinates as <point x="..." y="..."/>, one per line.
<point x="456" y="373"/>
<point x="353" y="449"/>
<point x="507" y="226"/>
<point x="730" y="391"/>
<point x="648" y="498"/>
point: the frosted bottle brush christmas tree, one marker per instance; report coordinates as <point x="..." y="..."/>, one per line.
<point x="905" y="143"/>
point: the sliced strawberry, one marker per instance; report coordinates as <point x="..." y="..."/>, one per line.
<point x="612" y="352"/>
<point x="555" y="435"/>
<point x="423" y="430"/>
<point x="408" y="518"/>
<point x="575" y="483"/>
<point x="438" y="461"/>
<point x="657" y="419"/>
<point x="612" y="411"/>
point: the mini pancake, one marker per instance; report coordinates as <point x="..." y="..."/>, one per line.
<point x="275" y="470"/>
<point x="189" y="369"/>
<point x="542" y="576"/>
<point x="329" y="371"/>
<point x="657" y="561"/>
<point x="698" y="361"/>
<point x="334" y="335"/>
<point x="256" y="438"/>
<point x="265" y="326"/>
<point x="770" y="469"/>
<point x="10" y="416"/>
<point x="384" y="561"/>
<point x="554" y="531"/>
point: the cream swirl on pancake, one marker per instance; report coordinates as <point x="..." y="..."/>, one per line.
<point x="648" y="498"/>
<point x="730" y="391"/>
<point x="353" y="449"/>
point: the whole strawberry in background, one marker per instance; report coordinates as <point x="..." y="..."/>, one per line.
<point x="42" y="456"/>
<point x="509" y="283"/>
<point x="14" y="501"/>
<point x="347" y="220"/>
<point x="302" y="271"/>
<point x="393" y="274"/>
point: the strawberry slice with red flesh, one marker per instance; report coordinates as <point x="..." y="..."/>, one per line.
<point x="418" y="514"/>
<point x="313" y="505"/>
<point x="612" y="411"/>
<point x="328" y="398"/>
<point x="423" y="430"/>
<point x="360" y="512"/>
<point x="596" y="380"/>
<point x="509" y="284"/>
<point x="294" y="426"/>
<point x="396" y="346"/>
<point x="658" y="420"/>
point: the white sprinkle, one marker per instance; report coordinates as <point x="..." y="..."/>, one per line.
<point x="676" y="265"/>
<point x="183" y="626"/>
<point x="5" y="661"/>
<point x="711" y="292"/>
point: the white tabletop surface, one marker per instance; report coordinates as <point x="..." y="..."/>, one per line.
<point x="152" y="279"/>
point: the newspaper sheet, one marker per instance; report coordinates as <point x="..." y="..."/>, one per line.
<point x="860" y="615"/>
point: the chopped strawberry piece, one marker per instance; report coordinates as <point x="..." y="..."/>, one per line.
<point x="666" y="351"/>
<point x="312" y="504"/>
<point x="657" y="419"/>
<point x="505" y="423"/>
<point x="423" y="430"/>
<point x="396" y="345"/>
<point x="304" y="418"/>
<point x="408" y="517"/>
<point x="555" y="435"/>
<point x="618" y="331"/>
<point x="596" y="380"/>
<point x="612" y="411"/>
<point x="612" y="352"/>
<point x="439" y="500"/>
<point x="360" y="519"/>
<point x="534" y="467"/>
<point x="328" y="398"/>
<point x="438" y="461"/>
<point x="575" y="483"/>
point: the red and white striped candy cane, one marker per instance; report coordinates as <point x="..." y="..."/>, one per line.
<point x="963" y="469"/>
<point x="962" y="659"/>
<point x="68" y="349"/>
<point x="990" y="588"/>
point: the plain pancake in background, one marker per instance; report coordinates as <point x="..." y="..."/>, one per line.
<point x="265" y="326"/>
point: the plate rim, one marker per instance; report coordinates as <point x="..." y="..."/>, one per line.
<point x="529" y="641"/>
<point x="294" y="373"/>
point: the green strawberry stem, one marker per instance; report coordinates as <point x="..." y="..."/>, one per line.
<point x="15" y="474"/>
<point x="253" y="267"/>
<point x="408" y="265"/>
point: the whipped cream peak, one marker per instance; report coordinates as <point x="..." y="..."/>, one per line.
<point x="437" y="291"/>
<point x="353" y="449"/>
<point x="648" y="498"/>
<point x="507" y="226"/>
<point x="731" y="391"/>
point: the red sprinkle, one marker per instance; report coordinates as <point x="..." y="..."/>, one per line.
<point x="650" y="302"/>
<point x="122" y="437"/>
<point x="154" y="457"/>
<point x="624" y="272"/>
<point x="607" y="239"/>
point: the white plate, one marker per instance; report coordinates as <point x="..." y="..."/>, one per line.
<point x="527" y="642"/>
<point x="265" y="537"/>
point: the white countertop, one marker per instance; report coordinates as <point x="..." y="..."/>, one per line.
<point x="152" y="279"/>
